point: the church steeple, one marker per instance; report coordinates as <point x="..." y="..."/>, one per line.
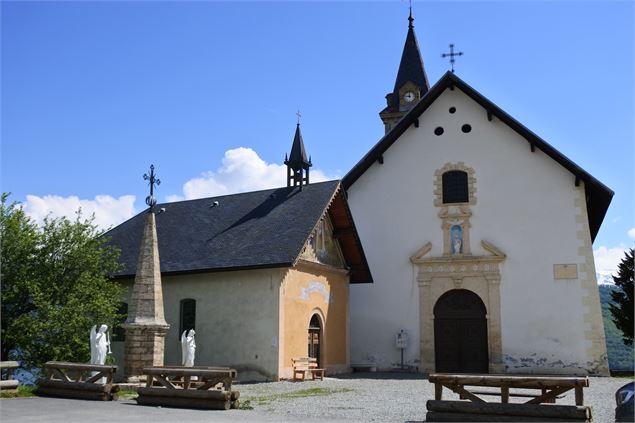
<point x="411" y="82"/>
<point x="297" y="163"/>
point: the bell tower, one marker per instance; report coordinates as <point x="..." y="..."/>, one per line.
<point x="297" y="163"/>
<point x="411" y="83"/>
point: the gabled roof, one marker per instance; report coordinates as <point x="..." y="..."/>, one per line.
<point x="260" y="229"/>
<point x="599" y="195"/>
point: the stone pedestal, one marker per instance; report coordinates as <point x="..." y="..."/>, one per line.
<point x="145" y="345"/>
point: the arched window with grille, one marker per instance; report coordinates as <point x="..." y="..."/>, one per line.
<point x="455" y="187"/>
<point x="188" y="315"/>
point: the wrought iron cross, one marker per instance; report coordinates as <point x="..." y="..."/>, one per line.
<point x="299" y="116"/>
<point x="451" y="55"/>
<point x="153" y="180"/>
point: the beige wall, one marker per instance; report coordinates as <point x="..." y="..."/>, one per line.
<point x="312" y="288"/>
<point x="257" y="320"/>
<point x="236" y="320"/>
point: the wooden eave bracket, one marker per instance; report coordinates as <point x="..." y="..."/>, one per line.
<point x="489" y="115"/>
<point x="380" y="159"/>
<point x="532" y="146"/>
<point x="577" y="180"/>
<point x="416" y="122"/>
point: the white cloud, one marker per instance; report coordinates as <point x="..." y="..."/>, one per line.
<point x="631" y="233"/>
<point x="108" y="210"/>
<point x="606" y="261"/>
<point x="241" y="170"/>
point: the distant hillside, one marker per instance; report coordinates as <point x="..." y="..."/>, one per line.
<point x="620" y="356"/>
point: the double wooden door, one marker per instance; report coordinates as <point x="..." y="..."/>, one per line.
<point x="460" y="333"/>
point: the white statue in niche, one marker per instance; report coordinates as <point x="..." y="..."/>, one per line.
<point x="99" y="344"/>
<point x="188" y="348"/>
<point x="456" y="239"/>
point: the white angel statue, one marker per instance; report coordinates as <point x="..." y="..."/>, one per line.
<point x="188" y="348"/>
<point x="99" y="344"/>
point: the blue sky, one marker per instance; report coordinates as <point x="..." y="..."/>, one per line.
<point x="93" y="92"/>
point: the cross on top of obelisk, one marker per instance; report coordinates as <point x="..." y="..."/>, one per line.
<point x="152" y="181"/>
<point x="451" y="55"/>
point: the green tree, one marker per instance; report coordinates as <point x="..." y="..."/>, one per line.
<point x="622" y="307"/>
<point x="55" y="286"/>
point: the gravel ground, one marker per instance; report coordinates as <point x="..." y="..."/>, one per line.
<point x="385" y="397"/>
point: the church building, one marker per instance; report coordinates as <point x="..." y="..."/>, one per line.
<point x="477" y="252"/>
<point x="479" y="237"/>
<point x="262" y="277"/>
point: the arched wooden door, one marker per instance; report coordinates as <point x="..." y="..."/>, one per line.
<point x="315" y="338"/>
<point x="460" y="333"/>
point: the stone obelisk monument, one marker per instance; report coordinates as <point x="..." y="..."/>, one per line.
<point x="146" y="326"/>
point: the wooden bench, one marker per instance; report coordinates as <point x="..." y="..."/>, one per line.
<point x="7" y="383"/>
<point x="78" y="380"/>
<point x="304" y="365"/>
<point x="207" y="388"/>
<point x="539" y="407"/>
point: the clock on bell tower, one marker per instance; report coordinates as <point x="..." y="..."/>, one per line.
<point x="411" y="83"/>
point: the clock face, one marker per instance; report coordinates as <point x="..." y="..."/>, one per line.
<point x="409" y="96"/>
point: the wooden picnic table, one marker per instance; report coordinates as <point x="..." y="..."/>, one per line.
<point x="550" y="386"/>
<point x="7" y="382"/>
<point x="189" y="387"/>
<point x="78" y="380"/>
<point x="201" y="378"/>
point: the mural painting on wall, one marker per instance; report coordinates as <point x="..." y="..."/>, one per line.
<point x="322" y="247"/>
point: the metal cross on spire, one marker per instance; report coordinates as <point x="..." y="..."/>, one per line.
<point x="410" y="18"/>
<point x="152" y="181"/>
<point x="299" y="116"/>
<point x="451" y="55"/>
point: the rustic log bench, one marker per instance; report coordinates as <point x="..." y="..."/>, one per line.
<point x="207" y="388"/>
<point x="539" y="407"/>
<point x="304" y="365"/>
<point x="77" y="380"/>
<point x="7" y="383"/>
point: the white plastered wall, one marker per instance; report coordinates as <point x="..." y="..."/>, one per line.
<point x="525" y="205"/>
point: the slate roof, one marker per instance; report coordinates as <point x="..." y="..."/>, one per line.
<point x="599" y="195"/>
<point x="259" y="229"/>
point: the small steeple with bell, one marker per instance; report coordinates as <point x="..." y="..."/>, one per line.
<point x="297" y="163"/>
<point x="411" y="83"/>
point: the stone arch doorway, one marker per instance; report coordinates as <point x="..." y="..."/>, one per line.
<point x="460" y="333"/>
<point x="315" y="339"/>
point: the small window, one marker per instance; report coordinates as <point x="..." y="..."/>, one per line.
<point x="188" y="315"/>
<point x="455" y="188"/>
<point x="118" y="333"/>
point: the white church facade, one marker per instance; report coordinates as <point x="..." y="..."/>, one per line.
<point x="478" y="235"/>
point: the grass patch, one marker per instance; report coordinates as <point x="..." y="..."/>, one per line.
<point x="246" y="405"/>
<point x="22" y="391"/>
<point x="303" y="393"/>
<point x="126" y="394"/>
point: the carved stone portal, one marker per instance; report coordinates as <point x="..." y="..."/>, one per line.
<point x="479" y="274"/>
